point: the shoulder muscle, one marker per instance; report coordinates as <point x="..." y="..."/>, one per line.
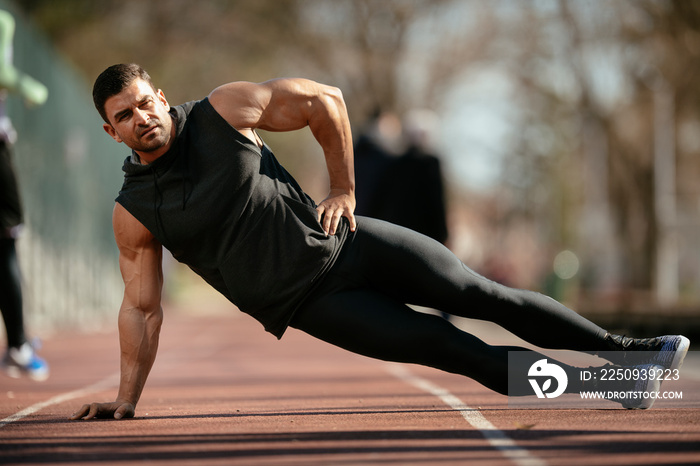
<point x="129" y="233"/>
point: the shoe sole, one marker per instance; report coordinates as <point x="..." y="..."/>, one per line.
<point x="680" y="353"/>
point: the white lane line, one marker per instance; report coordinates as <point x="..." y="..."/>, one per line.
<point x="103" y="384"/>
<point x="497" y="438"/>
<point x="166" y="361"/>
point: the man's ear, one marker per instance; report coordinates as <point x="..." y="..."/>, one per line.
<point x="163" y="100"/>
<point x="109" y="130"/>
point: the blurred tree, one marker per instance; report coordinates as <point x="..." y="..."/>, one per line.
<point x="612" y="88"/>
<point x="188" y="47"/>
<point x="392" y="54"/>
<point x="372" y="49"/>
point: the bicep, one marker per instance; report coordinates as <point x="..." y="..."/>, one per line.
<point x="284" y="104"/>
<point x="140" y="261"/>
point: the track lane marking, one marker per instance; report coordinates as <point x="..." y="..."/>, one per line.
<point x="103" y="384"/>
<point x="497" y="438"/>
<point x="167" y="360"/>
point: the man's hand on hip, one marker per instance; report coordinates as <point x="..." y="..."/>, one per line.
<point x="338" y="204"/>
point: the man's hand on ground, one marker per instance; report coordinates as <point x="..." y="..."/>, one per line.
<point x="115" y="410"/>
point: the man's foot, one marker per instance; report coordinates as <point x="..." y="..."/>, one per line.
<point x="24" y="360"/>
<point x="638" y="392"/>
<point x="669" y="350"/>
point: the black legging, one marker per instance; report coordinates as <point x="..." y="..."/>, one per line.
<point x="11" y="293"/>
<point x="361" y="306"/>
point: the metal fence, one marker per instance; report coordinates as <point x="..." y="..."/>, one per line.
<point x="69" y="173"/>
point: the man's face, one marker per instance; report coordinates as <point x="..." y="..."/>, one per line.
<point x="138" y="117"/>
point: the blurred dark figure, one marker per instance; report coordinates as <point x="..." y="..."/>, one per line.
<point x="411" y="192"/>
<point x="377" y="147"/>
<point x="20" y="357"/>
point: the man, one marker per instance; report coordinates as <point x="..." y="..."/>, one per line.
<point x="20" y="358"/>
<point x="403" y="186"/>
<point x="201" y="183"/>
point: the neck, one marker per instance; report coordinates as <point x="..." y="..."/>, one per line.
<point x="147" y="158"/>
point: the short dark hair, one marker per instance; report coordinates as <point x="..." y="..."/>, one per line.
<point x="113" y="80"/>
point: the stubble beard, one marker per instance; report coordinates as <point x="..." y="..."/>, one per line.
<point x="154" y="140"/>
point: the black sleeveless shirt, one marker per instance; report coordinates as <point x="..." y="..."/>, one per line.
<point x="234" y="215"/>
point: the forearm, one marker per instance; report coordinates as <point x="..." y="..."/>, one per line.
<point x="138" y="337"/>
<point x="330" y="125"/>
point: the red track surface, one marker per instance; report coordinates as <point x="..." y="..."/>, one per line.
<point x="224" y="392"/>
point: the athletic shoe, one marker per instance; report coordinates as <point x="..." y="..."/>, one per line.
<point x="670" y="350"/>
<point x="638" y="392"/>
<point x="23" y="360"/>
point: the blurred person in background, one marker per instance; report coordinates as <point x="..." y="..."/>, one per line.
<point x="412" y="192"/>
<point x="377" y="147"/>
<point x="20" y="356"/>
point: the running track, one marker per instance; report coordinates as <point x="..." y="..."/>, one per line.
<point x="224" y="392"/>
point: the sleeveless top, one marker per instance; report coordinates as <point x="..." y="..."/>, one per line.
<point x="229" y="210"/>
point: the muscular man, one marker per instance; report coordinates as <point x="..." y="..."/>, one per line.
<point x="202" y="183"/>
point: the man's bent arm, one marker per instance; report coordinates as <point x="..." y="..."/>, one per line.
<point x="291" y="104"/>
<point x="140" y="316"/>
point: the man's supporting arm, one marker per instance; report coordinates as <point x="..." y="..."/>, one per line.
<point x="140" y="315"/>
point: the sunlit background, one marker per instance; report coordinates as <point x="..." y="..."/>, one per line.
<point x="569" y="132"/>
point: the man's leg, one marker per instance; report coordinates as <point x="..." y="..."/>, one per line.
<point x="20" y="357"/>
<point x="375" y="325"/>
<point x="11" y="294"/>
<point x="414" y="269"/>
<point x="10" y="218"/>
<point x="360" y="307"/>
